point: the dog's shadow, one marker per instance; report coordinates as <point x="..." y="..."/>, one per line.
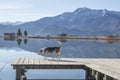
<point x="60" y="60"/>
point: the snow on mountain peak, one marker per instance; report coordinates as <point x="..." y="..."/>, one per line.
<point x="84" y="9"/>
<point x="83" y="12"/>
<point x="105" y="12"/>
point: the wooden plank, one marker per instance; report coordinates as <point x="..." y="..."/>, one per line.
<point x="52" y="62"/>
<point x="35" y="61"/>
<point x="104" y="71"/>
<point x="101" y="66"/>
<point x="16" y="61"/>
<point x="26" y="61"/>
<point x="47" y="62"/>
<point x="41" y="61"/>
<point x="108" y="64"/>
<point x="21" y="61"/>
<point x="111" y="63"/>
<point x="110" y="67"/>
<point x="30" y="61"/>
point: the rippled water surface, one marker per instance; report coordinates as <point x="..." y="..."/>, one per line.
<point x="10" y="50"/>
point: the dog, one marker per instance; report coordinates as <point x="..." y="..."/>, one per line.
<point x="51" y="50"/>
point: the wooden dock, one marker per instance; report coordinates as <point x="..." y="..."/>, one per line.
<point x="96" y="69"/>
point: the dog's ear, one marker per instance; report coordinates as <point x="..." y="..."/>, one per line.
<point x="40" y="50"/>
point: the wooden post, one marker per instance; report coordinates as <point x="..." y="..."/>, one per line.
<point x="105" y="77"/>
<point x="92" y="72"/>
<point x="108" y="78"/>
<point x="89" y="74"/>
<point x="101" y="76"/>
<point x="23" y="77"/>
<point x="96" y="76"/>
<point x="20" y="72"/>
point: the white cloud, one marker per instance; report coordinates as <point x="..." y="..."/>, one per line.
<point x="24" y="17"/>
<point x="8" y="7"/>
<point x="14" y="5"/>
<point x="11" y="53"/>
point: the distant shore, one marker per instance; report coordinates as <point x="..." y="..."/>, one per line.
<point x="66" y="37"/>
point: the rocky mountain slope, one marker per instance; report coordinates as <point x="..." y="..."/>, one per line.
<point x="83" y="21"/>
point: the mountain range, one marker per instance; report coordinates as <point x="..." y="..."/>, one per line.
<point x="82" y="21"/>
<point x="11" y="23"/>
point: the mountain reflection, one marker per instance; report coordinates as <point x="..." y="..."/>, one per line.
<point x="19" y="40"/>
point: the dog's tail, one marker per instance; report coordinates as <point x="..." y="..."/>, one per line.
<point x="59" y="44"/>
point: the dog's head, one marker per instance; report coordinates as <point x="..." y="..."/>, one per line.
<point x="41" y="50"/>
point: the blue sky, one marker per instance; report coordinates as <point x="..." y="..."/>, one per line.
<point x="30" y="10"/>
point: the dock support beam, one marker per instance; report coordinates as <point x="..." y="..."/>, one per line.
<point x="108" y="78"/>
<point x="95" y="75"/>
<point x="20" y="74"/>
<point x="89" y="74"/>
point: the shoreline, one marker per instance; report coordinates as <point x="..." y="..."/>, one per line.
<point x="66" y="37"/>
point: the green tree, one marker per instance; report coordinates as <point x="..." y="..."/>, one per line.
<point x="25" y="33"/>
<point x="19" y="33"/>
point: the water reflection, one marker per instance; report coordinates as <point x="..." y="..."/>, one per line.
<point x="70" y="48"/>
<point x="7" y="56"/>
<point x="9" y="50"/>
<point x="9" y="38"/>
<point x="25" y="41"/>
<point x="62" y="40"/>
<point x="109" y="41"/>
<point x="19" y="41"/>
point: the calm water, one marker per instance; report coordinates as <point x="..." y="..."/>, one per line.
<point x="9" y="50"/>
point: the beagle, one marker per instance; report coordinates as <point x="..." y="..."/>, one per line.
<point x="51" y="50"/>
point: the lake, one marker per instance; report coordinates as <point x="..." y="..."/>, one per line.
<point x="11" y="49"/>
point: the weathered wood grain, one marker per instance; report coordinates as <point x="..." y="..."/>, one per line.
<point x="110" y="67"/>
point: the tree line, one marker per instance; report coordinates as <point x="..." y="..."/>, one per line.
<point x="19" y="33"/>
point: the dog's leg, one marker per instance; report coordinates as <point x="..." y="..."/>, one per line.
<point x="52" y="56"/>
<point x="46" y="55"/>
<point x="59" y="56"/>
